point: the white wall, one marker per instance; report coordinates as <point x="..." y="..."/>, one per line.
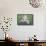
<point x="12" y="7"/>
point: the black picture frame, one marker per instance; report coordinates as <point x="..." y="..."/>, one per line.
<point x="24" y="19"/>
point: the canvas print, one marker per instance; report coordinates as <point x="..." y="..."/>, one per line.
<point x="25" y="19"/>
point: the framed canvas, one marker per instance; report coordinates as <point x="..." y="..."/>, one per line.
<point x="24" y="19"/>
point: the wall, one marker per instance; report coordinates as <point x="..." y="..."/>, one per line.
<point x="11" y="8"/>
